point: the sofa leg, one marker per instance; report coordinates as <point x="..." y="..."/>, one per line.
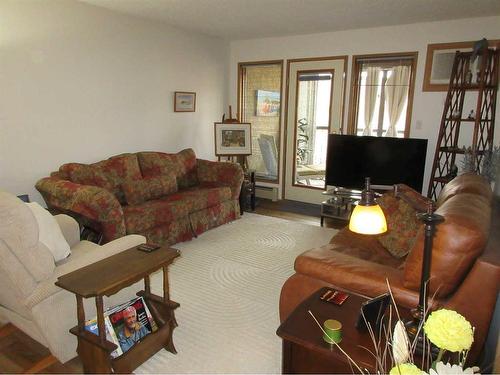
<point x="192" y="229"/>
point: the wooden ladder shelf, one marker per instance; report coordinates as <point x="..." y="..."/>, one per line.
<point x="462" y="82"/>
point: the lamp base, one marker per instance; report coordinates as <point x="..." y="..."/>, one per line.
<point x="416" y="335"/>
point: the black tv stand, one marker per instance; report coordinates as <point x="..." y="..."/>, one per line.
<point x="343" y="192"/>
<point x="340" y="204"/>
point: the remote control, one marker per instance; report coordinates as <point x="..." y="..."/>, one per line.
<point x="147" y="247"/>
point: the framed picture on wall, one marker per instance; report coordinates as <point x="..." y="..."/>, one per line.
<point x="232" y="139"/>
<point x="439" y="63"/>
<point x="268" y="103"/>
<point x="184" y="101"/>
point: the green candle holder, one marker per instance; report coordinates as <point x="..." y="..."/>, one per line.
<point x="333" y="329"/>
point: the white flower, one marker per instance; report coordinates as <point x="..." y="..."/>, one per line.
<point x="400" y="344"/>
<point x="448" y="369"/>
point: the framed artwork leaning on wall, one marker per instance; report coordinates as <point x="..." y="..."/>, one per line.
<point x="232" y="139"/>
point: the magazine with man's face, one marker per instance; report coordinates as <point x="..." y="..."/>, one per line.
<point x="116" y="318"/>
<point x="131" y="322"/>
<point x="126" y="324"/>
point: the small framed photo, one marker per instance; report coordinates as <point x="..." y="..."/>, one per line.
<point x="232" y="139"/>
<point x="184" y="101"/>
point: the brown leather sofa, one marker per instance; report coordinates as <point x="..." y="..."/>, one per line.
<point x="465" y="267"/>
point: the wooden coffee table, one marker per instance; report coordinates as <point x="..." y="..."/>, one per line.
<point x="304" y="350"/>
<point x="107" y="277"/>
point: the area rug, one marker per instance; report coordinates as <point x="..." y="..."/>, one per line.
<point x="228" y="282"/>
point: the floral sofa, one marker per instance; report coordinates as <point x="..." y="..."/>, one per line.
<point x="168" y="198"/>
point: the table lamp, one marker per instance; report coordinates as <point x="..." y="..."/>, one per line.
<point x="367" y="217"/>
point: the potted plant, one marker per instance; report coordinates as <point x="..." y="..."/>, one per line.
<point x="490" y="168"/>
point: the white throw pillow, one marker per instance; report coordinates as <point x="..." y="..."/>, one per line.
<point x="49" y="232"/>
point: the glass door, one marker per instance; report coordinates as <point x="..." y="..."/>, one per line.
<point x="312" y="123"/>
<point x="315" y="101"/>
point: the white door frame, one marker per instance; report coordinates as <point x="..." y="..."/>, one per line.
<point x="337" y="64"/>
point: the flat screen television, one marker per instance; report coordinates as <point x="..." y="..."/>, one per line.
<point x="387" y="161"/>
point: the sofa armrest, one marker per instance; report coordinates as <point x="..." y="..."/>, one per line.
<point x="84" y="254"/>
<point x="354" y="274"/>
<point x="91" y="202"/>
<point x="69" y="228"/>
<point x="476" y="299"/>
<point x="225" y="173"/>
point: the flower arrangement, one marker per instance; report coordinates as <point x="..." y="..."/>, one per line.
<point x="446" y="329"/>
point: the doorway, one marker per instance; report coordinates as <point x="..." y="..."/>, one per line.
<point x="315" y="98"/>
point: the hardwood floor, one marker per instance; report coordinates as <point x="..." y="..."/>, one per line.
<point x="21" y="354"/>
<point x="295" y="211"/>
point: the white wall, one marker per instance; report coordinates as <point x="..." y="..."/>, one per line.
<point x="427" y="106"/>
<point x="81" y="83"/>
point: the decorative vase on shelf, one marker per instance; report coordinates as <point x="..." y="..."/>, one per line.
<point x="468" y="77"/>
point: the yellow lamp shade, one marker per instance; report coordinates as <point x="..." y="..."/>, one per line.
<point x="368" y="220"/>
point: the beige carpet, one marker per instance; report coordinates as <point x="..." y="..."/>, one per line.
<point x="228" y="282"/>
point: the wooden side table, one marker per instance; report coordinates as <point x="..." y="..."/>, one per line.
<point x="304" y="350"/>
<point x="107" y="277"/>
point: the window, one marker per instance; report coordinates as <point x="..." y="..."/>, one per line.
<point x="382" y="94"/>
<point x="259" y="102"/>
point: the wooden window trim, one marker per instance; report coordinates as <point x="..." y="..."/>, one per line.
<point x="354" y="92"/>
<point x="239" y="114"/>
<point x="297" y="83"/>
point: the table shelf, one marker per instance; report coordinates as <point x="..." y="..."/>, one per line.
<point x="106" y="277"/>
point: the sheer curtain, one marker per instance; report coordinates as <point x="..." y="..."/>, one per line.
<point x="371" y="89"/>
<point x="396" y="94"/>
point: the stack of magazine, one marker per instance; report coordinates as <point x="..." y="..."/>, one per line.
<point x="125" y="324"/>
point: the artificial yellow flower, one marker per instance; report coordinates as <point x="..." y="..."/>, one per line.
<point x="449" y="330"/>
<point x="406" y="369"/>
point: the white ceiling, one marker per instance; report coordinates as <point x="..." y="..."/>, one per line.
<point x="244" y="19"/>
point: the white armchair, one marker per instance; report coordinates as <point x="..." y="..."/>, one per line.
<point x="28" y="297"/>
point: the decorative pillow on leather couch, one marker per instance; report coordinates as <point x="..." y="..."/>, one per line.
<point x="149" y="188"/>
<point x="416" y="200"/>
<point x="402" y="225"/>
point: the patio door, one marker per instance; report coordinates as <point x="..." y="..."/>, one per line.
<point x="315" y="98"/>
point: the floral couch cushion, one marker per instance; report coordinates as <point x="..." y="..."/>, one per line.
<point x="119" y="169"/>
<point x="85" y="174"/>
<point x="109" y="174"/>
<point x="402" y="225"/>
<point x="200" y="197"/>
<point x="183" y="164"/>
<point x="141" y="217"/>
<point x="149" y="188"/>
